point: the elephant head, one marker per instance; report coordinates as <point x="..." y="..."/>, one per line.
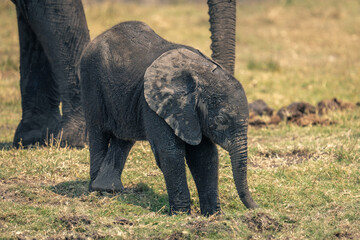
<point x="196" y="97"/>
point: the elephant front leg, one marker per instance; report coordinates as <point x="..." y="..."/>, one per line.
<point x="170" y="158"/>
<point x="173" y="167"/>
<point x="108" y="178"/>
<point x="61" y="29"/>
<point x="203" y="163"/>
<point x="39" y="93"/>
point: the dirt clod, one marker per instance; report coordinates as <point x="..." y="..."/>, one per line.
<point x="296" y="110"/>
<point x="334" y="104"/>
<point x="176" y="236"/>
<point x="311" y="120"/>
<point x="198" y="226"/>
<point x="13" y="195"/>
<point x="257" y="122"/>
<point x="74" y="221"/>
<point x="344" y="235"/>
<point x="302" y="114"/>
<point x="260" y="222"/>
<point x="122" y="221"/>
<point x="77" y="236"/>
<point x="259" y="107"/>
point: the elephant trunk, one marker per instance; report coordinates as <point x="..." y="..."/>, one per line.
<point x="222" y="26"/>
<point x="238" y="156"/>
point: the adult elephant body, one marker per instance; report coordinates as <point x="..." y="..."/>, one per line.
<point x="138" y="86"/>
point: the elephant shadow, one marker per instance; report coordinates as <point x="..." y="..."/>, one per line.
<point x="6" y="145"/>
<point x="140" y="195"/>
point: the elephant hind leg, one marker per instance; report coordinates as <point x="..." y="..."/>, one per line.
<point x="108" y="178"/>
<point x="203" y="164"/>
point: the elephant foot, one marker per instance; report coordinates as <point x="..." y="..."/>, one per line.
<point x="209" y="211"/>
<point x="73" y="131"/>
<point x="107" y="180"/>
<point x="174" y="210"/>
<point x="209" y="201"/>
<point x="106" y="185"/>
<point x="38" y="130"/>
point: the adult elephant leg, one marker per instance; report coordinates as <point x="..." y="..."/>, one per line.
<point x="222" y="26"/>
<point x="39" y="92"/>
<point x="203" y="163"/>
<point x="108" y="178"/>
<point x="62" y="31"/>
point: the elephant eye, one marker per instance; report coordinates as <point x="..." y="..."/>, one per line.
<point x="221" y="120"/>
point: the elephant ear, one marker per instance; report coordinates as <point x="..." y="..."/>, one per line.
<point x="170" y="89"/>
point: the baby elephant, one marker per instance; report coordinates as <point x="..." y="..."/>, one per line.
<point x="137" y="86"/>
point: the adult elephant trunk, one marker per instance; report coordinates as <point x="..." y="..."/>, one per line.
<point x="238" y="156"/>
<point x="222" y="26"/>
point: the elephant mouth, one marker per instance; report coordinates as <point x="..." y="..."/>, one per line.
<point x="229" y="143"/>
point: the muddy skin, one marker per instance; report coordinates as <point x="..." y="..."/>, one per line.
<point x="138" y="86"/>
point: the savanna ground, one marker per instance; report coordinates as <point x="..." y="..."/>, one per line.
<point x="306" y="179"/>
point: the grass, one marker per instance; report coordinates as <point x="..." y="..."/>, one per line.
<point x="306" y="179"/>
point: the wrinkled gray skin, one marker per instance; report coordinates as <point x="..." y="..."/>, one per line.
<point x="138" y="86"/>
<point x="52" y="36"/>
<point x="223" y="28"/>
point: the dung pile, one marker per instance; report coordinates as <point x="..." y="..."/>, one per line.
<point x="300" y="113"/>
